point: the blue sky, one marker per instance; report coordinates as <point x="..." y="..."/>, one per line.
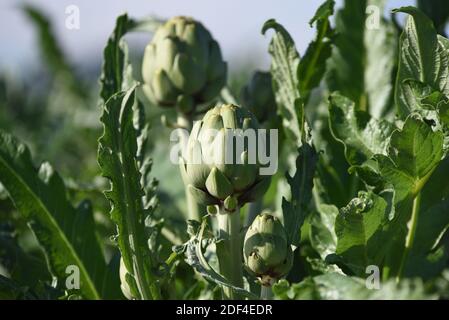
<point x="235" y="24"/>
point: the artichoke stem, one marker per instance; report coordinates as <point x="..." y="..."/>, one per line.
<point x="266" y="293"/>
<point x="230" y="250"/>
<point x="184" y="121"/>
<point x="192" y="207"/>
<point x="254" y="208"/>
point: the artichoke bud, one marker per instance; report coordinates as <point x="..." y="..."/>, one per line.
<point x="266" y="250"/>
<point x="182" y="65"/>
<point x="226" y="169"/>
<point x="258" y="96"/>
<point x="212" y="209"/>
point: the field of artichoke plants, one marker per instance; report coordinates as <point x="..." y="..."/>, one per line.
<point x="325" y="177"/>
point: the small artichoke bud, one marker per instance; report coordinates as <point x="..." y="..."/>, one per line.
<point x="258" y="96"/>
<point x="266" y="250"/>
<point x="218" y="172"/>
<point x="182" y="65"/>
<point x="212" y="209"/>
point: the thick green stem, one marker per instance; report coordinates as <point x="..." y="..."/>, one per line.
<point x="186" y="122"/>
<point x="229" y="250"/>
<point x="192" y="207"/>
<point x="254" y="208"/>
<point x="410" y="235"/>
<point x="266" y="293"/>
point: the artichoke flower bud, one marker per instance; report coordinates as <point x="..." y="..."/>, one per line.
<point x="182" y="65"/>
<point x="258" y="96"/>
<point x="220" y="166"/>
<point x="266" y="250"/>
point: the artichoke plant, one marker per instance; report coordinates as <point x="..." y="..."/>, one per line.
<point x="258" y="96"/>
<point x="210" y="178"/>
<point x="124" y="286"/>
<point x="266" y="250"/>
<point x="182" y="65"/>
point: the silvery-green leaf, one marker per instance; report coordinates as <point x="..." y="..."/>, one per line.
<point x="66" y="234"/>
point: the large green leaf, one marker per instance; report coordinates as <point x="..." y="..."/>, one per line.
<point x="66" y="234"/>
<point x="363" y="60"/>
<point x="322" y="230"/>
<point x="413" y="154"/>
<point x="362" y="135"/>
<point x="284" y="70"/>
<point x="333" y="183"/>
<point x="116" y="74"/>
<point x="118" y="159"/>
<point x="438" y="11"/>
<point x="114" y="59"/>
<point x="423" y="57"/>
<point x="335" y="286"/>
<point x="296" y="209"/>
<point x="359" y="229"/>
<point x="293" y="78"/>
<point x="123" y="161"/>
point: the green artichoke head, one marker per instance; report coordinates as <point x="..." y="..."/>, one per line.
<point x="266" y="250"/>
<point x="258" y="96"/>
<point x="218" y="167"/>
<point x="182" y="65"/>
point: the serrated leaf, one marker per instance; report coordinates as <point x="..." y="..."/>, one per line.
<point x="117" y="156"/>
<point x="67" y="235"/>
<point x="115" y="59"/>
<point x="413" y="154"/>
<point x="284" y="71"/>
<point x="423" y="57"/>
<point x="296" y="209"/>
<point x="362" y="135"/>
